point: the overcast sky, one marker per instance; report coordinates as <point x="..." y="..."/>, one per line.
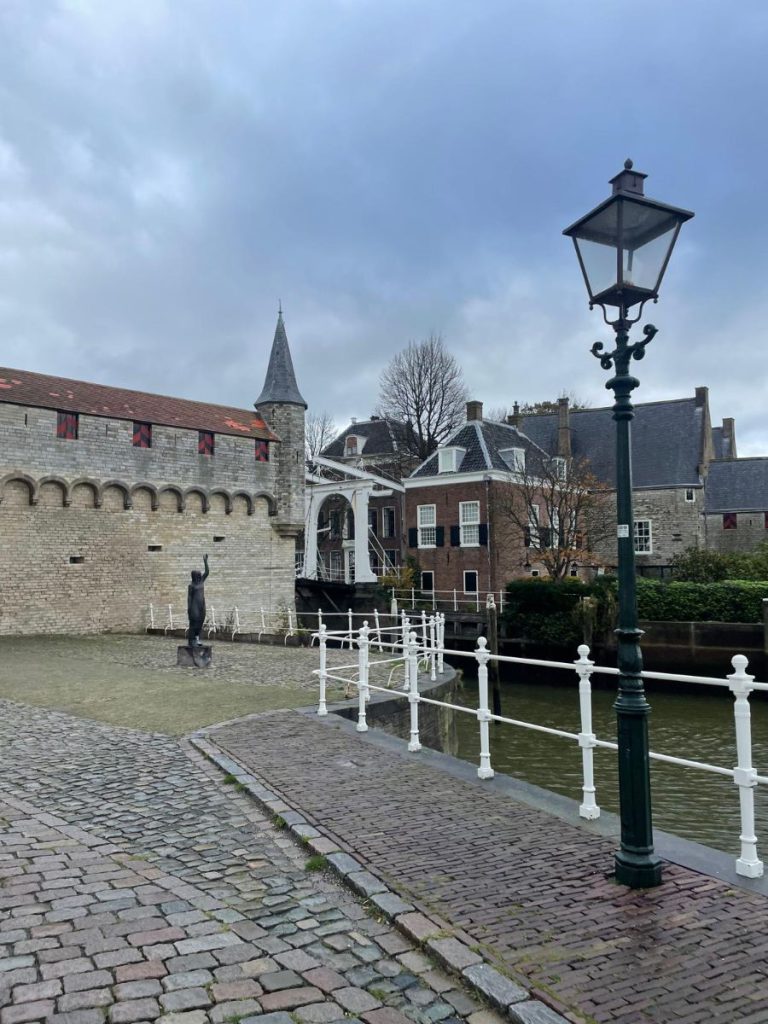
<point x="387" y="168"/>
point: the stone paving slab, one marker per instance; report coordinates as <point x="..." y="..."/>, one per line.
<point x="534" y="893"/>
<point x="136" y="886"/>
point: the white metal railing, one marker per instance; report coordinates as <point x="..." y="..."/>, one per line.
<point x="451" y="600"/>
<point x="281" y="621"/>
<point x="418" y="646"/>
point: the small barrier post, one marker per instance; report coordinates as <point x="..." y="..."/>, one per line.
<point x="588" y="808"/>
<point x="362" y="677"/>
<point x="405" y="627"/>
<point x="322" y="708"/>
<point x="744" y="775"/>
<point x="432" y="645"/>
<point x="413" y="691"/>
<point x="483" y="713"/>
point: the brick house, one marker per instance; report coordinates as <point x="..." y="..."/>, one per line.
<point x="109" y="497"/>
<point x="451" y="500"/>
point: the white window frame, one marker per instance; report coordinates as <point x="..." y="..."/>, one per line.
<point x="514" y="458"/>
<point x="357" y="446"/>
<point x="335" y="566"/>
<point x="560" y="465"/>
<point x="469" y="524"/>
<point x="427" y="572"/>
<point x="692" y="492"/>
<point x="426" y="524"/>
<point x="476" y="574"/>
<point x="447" y="460"/>
<point x="640" y="536"/>
<point x="391" y="533"/>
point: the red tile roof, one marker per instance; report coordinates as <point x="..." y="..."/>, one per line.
<point x="37" y="389"/>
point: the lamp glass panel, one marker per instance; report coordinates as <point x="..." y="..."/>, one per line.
<point x="599" y="264"/>
<point x="641" y="267"/>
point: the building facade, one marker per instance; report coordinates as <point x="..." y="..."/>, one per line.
<point x="109" y="497"/>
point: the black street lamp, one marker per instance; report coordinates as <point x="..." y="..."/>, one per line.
<point x="623" y="247"/>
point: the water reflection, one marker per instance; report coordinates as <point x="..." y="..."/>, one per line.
<point x="698" y="725"/>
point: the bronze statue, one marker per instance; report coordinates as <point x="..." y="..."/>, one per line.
<point x="196" y="603"/>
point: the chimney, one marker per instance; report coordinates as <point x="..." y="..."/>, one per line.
<point x="563" y="428"/>
<point x="474" y="411"/>
<point x="515" y="418"/>
<point x="729" y="438"/>
<point x="353" y="420"/>
<point x="702" y="396"/>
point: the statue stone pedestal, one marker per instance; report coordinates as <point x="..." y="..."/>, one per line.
<point x="194" y="656"/>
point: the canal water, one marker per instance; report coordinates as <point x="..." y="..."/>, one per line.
<point x="696" y="724"/>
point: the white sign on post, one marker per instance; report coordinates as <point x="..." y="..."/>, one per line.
<point x="622" y="530"/>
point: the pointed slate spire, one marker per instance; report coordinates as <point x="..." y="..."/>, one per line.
<point x="280" y="382"/>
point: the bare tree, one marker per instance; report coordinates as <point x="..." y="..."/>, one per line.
<point x="424" y="386"/>
<point x="561" y="509"/>
<point x="319" y="431"/>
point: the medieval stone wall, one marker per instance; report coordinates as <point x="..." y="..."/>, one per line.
<point x="750" y="530"/>
<point x="676" y="524"/>
<point x="93" y="529"/>
<point x="87" y="569"/>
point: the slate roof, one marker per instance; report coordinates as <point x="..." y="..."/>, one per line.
<point x="482" y="441"/>
<point x="280" y="383"/>
<point x="737" y="485"/>
<point x="383" y="437"/>
<point x="719" y="443"/>
<point x="666" y="441"/>
<point x="21" y="387"/>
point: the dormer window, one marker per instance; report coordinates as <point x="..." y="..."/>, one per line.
<point x="514" y="458"/>
<point x="353" y="445"/>
<point x="559" y="467"/>
<point x="449" y="460"/>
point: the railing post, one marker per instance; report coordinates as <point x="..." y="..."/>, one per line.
<point x="263" y="622"/>
<point x="424" y="630"/>
<point x="455" y="602"/>
<point x="588" y="808"/>
<point x="433" y="599"/>
<point x="378" y="627"/>
<point x="362" y="677"/>
<point x="406" y="626"/>
<point x="744" y="775"/>
<point x="151" y="617"/>
<point x="236" y="627"/>
<point x="440" y="641"/>
<point x="350" y="626"/>
<point x="413" y="691"/>
<point x="483" y="713"/>
<point x="413" y="597"/>
<point x="432" y="645"/>
<point x="322" y="708"/>
<point x="477" y="599"/>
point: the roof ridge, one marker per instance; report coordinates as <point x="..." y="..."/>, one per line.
<point x="483" y="446"/>
<point x="5" y="370"/>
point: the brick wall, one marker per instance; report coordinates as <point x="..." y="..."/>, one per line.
<point x="137" y="543"/>
<point x="496" y="563"/>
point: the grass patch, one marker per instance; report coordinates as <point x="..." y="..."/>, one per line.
<point x="316" y="863"/>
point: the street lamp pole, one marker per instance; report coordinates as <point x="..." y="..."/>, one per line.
<point x="623" y="247"/>
<point x="636" y="863"/>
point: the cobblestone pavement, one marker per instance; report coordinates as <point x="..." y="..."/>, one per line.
<point x="533" y="891"/>
<point x="136" y="886"/>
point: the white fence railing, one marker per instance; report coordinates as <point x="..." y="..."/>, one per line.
<point x="415" y="646"/>
<point x="447" y="600"/>
<point x="222" y="624"/>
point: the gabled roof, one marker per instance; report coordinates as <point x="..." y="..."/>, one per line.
<point x="666" y="441"/>
<point x="383" y="437"/>
<point x="737" y="485"/>
<point x="482" y="441"/>
<point x="280" y="383"/>
<point x="21" y="387"/>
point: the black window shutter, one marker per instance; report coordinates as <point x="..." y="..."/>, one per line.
<point x="413" y="537"/>
<point x="440" y="536"/>
<point x="483" y="531"/>
<point x="456" y="536"/>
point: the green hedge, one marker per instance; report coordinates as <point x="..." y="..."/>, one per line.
<point x="729" y="601"/>
<point x="549" y="612"/>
